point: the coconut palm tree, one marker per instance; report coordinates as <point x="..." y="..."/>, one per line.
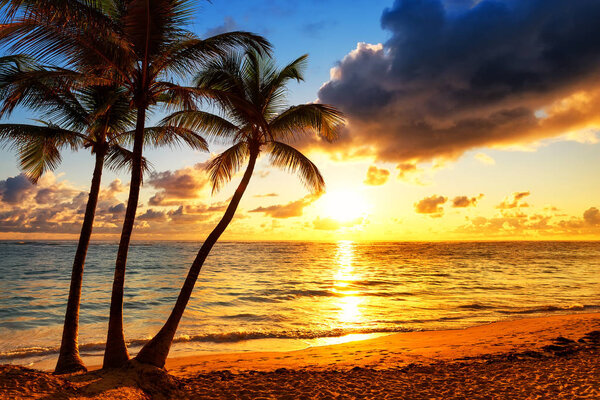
<point x="254" y="117"/>
<point x="137" y="44"/>
<point x="94" y="117"/>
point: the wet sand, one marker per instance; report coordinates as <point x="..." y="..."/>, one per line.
<point x="549" y="357"/>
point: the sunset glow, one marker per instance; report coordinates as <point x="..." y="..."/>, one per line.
<point x="209" y="199"/>
<point x="344" y="205"/>
<point x="413" y="162"/>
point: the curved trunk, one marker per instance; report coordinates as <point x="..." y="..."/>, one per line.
<point x="115" y="354"/>
<point x="69" y="359"/>
<point x="155" y="352"/>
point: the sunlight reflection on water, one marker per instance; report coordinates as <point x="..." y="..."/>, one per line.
<point x="290" y="294"/>
<point x="348" y="302"/>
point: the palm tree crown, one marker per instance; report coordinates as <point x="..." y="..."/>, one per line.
<point x="249" y="90"/>
<point x="95" y="117"/>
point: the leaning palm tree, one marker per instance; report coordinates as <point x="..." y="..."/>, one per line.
<point x="137" y="44"/>
<point x="251" y="92"/>
<point x="95" y="117"/>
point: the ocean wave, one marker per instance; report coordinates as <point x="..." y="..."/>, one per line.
<point x="549" y="308"/>
<point x="226" y="337"/>
<point x="475" y="306"/>
<point x="240" y="336"/>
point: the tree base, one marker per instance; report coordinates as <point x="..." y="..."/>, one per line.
<point x="69" y="365"/>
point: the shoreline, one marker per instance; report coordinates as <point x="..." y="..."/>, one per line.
<point x="402" y="348"/>
<point x="550" y="356"/>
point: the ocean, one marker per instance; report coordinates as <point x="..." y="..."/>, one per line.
<point x="254" y="296"/>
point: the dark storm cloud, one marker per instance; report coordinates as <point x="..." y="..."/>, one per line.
<point x="463" y="75"/>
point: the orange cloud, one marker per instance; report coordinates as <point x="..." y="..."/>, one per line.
<point x="431" y="205"/>
<point x="591" y="216"/>
<point x="519" y="224"/>
<point x="464" y="201"/>
<point x="514" y="201"/>
<point x="182" y="184"/>
<point x="289" y="210"/>
<point x="376" y="176"/>
<point x="266" y="195"/>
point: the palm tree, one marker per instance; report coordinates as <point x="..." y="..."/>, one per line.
<point x="251" y="95"/>
<point x="137" y="44"/>
<point x="95" y="117"/>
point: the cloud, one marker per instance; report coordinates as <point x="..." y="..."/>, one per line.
<point x="330" y="224"/>
<point x="153" y="215"/>
<point x="15" y="189"/>
<point x="464" y="201"/>
<point x="468" y="76"/>
<point x="411" y="173"/>
<point x="592" y="216"/>
<point x="57" y="207"/>
<point x="520" y="224"/>
<point x="514" y="201"/>
<point x="228" y="25"/>
<point x="485" y="159"/>
<point x="376" y="176"/>
<point x="118" y="209"/>
<point x="182" y="184"/>
<point x="289" y="210"/>
<point x="266" y="195"/>
<point x="431" y="205"/>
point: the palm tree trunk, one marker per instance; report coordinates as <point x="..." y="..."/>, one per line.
<point x="155" y="352"/>
<point x="115" y="354"/>
<point x="69" y="359"/>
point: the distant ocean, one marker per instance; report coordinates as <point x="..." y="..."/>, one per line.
<point x="287" y="295"/>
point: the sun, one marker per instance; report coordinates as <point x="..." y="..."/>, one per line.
<point x="344" y="205"/>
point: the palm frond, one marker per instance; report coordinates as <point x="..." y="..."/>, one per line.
<point x="288" y="158"/>
<point x="160" y="136"/>
<point x="119" y="158"/>
<point x="192" y="52"/>
<point x="38" y="147"/>
<point x="224" y="166"/>
<point x="294" y="70"/>
<point x="211" y="125"/>
<point x="59" y="37"/>
<point x="17" y="135"/>
<point x="322" y="119"/>
<point x="173" y="136"/>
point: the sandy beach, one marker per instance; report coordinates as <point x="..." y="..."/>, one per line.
<point x="548" y="357"/>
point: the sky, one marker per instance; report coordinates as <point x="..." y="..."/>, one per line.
<point x="466" y="120"/>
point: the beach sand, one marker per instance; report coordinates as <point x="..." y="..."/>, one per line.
<point x="536" y="358"/>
